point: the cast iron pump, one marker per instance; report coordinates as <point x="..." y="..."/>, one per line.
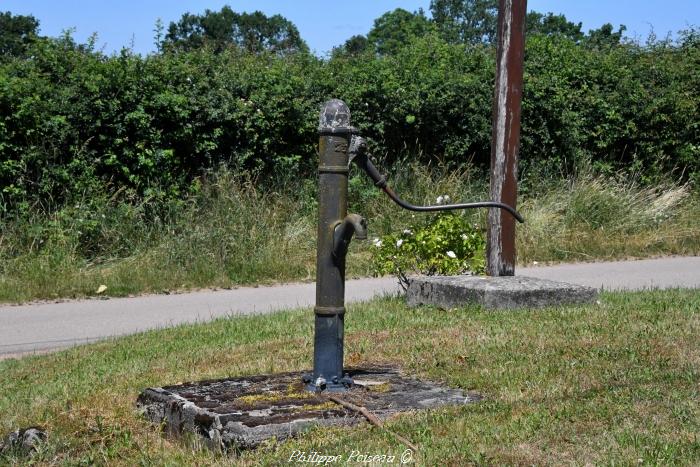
<point x="339" y="145"/>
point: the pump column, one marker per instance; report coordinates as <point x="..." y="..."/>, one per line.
<point x="334" y="138"/>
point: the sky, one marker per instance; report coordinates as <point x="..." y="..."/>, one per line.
<point x="322" y="24"/>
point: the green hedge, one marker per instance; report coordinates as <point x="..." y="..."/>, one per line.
<point x="74" y="121"/>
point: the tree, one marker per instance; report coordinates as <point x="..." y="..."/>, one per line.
<point x="17" y="32"/>
<point x="466" y="21"/>
<point x="254" y="32"/>
<point x="551" y="24"/>
<point x="357" y="44"/>
<point x="258" y="32"/>
<point x="604" y="36"/>
<point x="394" y="29"/>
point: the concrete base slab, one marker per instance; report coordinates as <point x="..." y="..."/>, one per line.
<point x="495" y="292"/>
<point x="240" y="413"/>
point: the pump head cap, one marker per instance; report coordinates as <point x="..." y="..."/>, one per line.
<point x="335" y="118"/>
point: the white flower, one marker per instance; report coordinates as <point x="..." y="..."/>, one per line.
<point x="464" y="236"/>
<point x="439" y="199"/>
<point x="446" y="198"/>
<point x="398" y="243"/>
<point x="451" y="254"/>
<point x="377" y="242"/>
<point x="535" y="263"/>
<point x="407" y="232"/>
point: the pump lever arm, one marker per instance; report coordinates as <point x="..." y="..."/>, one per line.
<point x="358" y="153"/>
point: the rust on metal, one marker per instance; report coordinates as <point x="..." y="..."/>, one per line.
<point x="505" y="138"/>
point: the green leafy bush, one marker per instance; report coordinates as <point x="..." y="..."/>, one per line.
<point x="444" y="244"/>
<point x="75" y="123"/>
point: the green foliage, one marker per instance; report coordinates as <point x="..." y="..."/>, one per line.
<point x="551" y="24"/>
<point x="622" y="107"/>
<point x="78" y="124"/>
<point x="476" y="21"/>
<point x="75" y="121"/>
<point x="253" y="32"/>
<point x="466" y="21"/>
<point x="431" y="99"/>
<point x="394" y="29"/>
<point x="357" y="44"/>
<point x="604" y="36"/>
<point x="444" y="244"/>
<point x="17" y="32"/>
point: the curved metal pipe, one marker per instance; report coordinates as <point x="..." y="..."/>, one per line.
<point x="450" y="207"/>
<point x="360" y="157"/>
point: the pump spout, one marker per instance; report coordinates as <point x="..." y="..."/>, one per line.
<point x="343" y="232"/>
<point x="359" y="225"/>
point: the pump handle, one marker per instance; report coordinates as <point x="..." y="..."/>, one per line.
<point x="358" y="154"/>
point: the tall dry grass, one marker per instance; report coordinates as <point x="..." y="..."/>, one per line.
<point x="598" y="218"/>
<point x="231" y="232"/>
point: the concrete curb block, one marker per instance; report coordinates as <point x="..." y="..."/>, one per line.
<point x="505" y="292"/>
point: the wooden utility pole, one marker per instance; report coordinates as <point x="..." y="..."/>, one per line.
<point x="505" y="137"/>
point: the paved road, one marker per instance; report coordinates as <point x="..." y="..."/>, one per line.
<point x="661" y="273"/>
<point x="50" y="326"/>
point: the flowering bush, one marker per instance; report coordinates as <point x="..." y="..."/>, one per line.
<point x="441" y="244"/>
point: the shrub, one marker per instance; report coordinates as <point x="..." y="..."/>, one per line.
<point x="77" y="123"/>
<point x="444" y="244"/>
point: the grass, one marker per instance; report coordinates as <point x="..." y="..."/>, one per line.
<point x="595" y="218"/>
<point x="230" y="232"/>
<point x="614" y="383"/>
